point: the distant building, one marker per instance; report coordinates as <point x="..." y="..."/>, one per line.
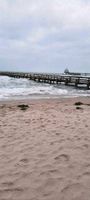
<point x="66" y="71"/>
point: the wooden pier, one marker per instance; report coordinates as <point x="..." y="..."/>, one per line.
<point x="67" y="79"/>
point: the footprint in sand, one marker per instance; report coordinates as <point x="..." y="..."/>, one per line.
<point x="72" y="191"/>
<point x="62" y="158"/>
<point x="8" y="184"/>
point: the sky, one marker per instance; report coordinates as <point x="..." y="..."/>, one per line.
<point x="45" y="35"/>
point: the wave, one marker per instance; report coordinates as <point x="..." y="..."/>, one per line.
<point x="19" y="88"/>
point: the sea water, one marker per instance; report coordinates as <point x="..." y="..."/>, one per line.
<point x="13" y="88"/>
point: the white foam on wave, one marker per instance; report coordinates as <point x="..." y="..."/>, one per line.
<point x="11" y="92"/>
<point x="16" y="88"/>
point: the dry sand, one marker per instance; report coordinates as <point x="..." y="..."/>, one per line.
<point x="45" y="150"/>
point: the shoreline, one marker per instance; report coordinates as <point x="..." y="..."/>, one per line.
<point x="83" y="98"/>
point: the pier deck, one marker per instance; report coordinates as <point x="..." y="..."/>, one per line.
<point x="76" y="80"/>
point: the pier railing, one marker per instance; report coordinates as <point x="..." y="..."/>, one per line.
<point x="67" y="79"/>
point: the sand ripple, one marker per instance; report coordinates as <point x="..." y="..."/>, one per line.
<point x="45" y="152"/>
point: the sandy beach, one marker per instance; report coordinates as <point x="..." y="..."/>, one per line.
<point x="45" y="150"/>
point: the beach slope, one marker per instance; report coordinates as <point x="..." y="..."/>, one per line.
<point x="45" y="150"/>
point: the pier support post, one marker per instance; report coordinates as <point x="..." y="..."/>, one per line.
<point x="57" y="81"/>
<point x="88" y="86"/>
<point x="66" y="81"/>
<point x="76" y="82"/>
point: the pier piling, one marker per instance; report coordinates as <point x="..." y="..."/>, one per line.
<point x="76" y="80"/>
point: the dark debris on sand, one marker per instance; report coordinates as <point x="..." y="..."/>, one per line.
<point x="79" y="104"/>
<point x="78" y="108"/>
<point x="23" y="106"/>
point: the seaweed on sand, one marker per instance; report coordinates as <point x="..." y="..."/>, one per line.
<point x="78" y="108"/>
<point x="23" y="106"/>
<point x="78" y="103"/>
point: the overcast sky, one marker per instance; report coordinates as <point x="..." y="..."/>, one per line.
<point x="45" y="35"/>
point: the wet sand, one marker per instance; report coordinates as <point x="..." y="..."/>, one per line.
<point x="45" y="150"/>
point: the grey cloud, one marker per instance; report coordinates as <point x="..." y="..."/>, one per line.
<point x="42" y="35"/>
